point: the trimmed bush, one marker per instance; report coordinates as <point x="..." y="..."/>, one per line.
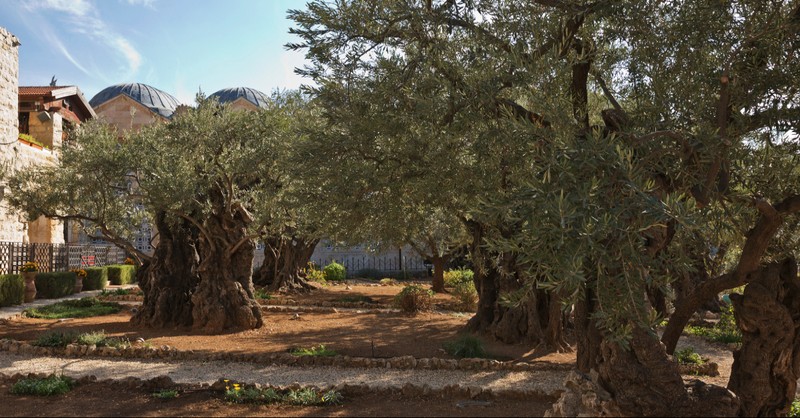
<point x="12" y="289"/>
<point x="55" y="285"/>
<point x="80" y="308"/>
<point x="335" y="272"/>
<point x="466" y="295"/>
<point x="413" y="299"/>
<point x="96" y="278"/>
<point x="453" y="277"/>
<point x="121" y="274"/>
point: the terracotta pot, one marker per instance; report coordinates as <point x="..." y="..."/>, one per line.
<point x="30" y="286"/>
<point x="78" y="284"/>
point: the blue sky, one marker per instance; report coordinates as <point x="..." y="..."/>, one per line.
<point x="175" y="45"/>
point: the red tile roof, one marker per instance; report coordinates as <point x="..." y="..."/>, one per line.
<point x="37" y="90"/>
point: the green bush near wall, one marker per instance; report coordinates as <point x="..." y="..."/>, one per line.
<point x="121" y="273"/>
<point x="96" y="278"/>
<point x="55" y="285"/>
<point x="12" y="289"/>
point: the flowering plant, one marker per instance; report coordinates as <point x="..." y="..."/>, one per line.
<point x="30" y="266"/>
<point x="79" y="272"/>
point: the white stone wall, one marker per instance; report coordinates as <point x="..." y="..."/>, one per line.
<point x="15" y="155"/>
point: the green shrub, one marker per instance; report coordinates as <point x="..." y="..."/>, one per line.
<point x="466" y="295"/>
<point x="96" y="278"/>
<point x="453" y="277"/>
<point x="238" y="393"/>
<point x="466" y="346"/>
<point x="688" y="356"/>
<point x="55" y="339"/>
<point x="414" y="299"/>
<point x="795" y="409"/>
<point x="51" y="385"/>
<point x="261" y="293"/>
<point x="120" y="291"/>
<point x="334" y="272"/>
<point x="304" y="397"/>
<point x="76" y="308"/>
<point x="55" y="285"/>
<point x="12" y="289"/>
<point x="388" y="281"/>
<point x="725" y="331"/>
<point x="119" y="274"/>
<point x="318" y="351"/>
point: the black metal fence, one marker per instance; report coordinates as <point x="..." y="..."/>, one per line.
<point x="359" y="265"/>
<point x="57" y="257"/>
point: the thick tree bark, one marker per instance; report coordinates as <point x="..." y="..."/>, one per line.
<point x="537" y="319"/>
<point x="438" y="274"/>
<point x="284" y="262"/>
<point x="765" y="370"/>
<point x="168" y="281"/>
<point x="224" y="298"/>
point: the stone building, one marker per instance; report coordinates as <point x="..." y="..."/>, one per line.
<point x="132" y="106"/>
<point x="34" y="122"/>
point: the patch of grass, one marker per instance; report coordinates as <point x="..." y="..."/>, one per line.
<point x="116" y="292"/>
<point x="238" y="393"/>
<point x="356" y="299"/>
<point x="48" y="386"/>
<point x="318" y="351"/>
<point x="166" y="394"/>
<point x="80" y="308"/>
<point x="466" y="346"/>
<point x="262" y="294"/>
<point x="688" y="356"/>
<point x="97" y="338"/>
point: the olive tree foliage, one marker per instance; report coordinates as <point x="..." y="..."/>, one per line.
<point x="601" y="153"/>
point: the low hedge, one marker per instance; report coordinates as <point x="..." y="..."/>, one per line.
<point x="121" y="274"/>
<point x="12" y="289"/>
<point x="96" y="278"/>
<point x="55" y="285"/>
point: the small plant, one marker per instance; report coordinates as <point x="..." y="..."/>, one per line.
<point x="725" y="331"/>
<point x="466" y="295"/>
<point x="81" y="308"/>
<point x="332" y="397"/>
<point x="100" y="339"/>
<point x="262" y="294"/>
<point x="32" y="140"/>
<point x="688" y="356"/>
<point x="29" y="266"/>
<point x="48" y="386"/>
<point x="334" y="272"/>
<point x="55" y="339"/>
<point x="388" y="281"/>
<point x="794" y="411"/>
<point x="318" y="351"/>
<point x="238" y="393"/>
<point x="413" y="299"/>
<point x="466" y="346"/>
<point x="166" y="394"/>
<point x="304" y="397"/>
<point x="356" y="299"/>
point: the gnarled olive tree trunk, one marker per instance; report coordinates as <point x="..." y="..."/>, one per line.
<point x="169" y="278"/>
<point x="224" y="297"/>
<point x="537" y="319"/>
<point x="284" y="262"/>
<point x="766" y="368"/>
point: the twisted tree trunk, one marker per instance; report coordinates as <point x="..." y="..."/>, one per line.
<point x="168" y="280"/>
<point x="224" y="299"/>
<point x="284" y="262"/>
<point x="765" y="370"/>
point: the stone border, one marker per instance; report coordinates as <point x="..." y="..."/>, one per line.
<point x="347" y="390"/>
<point x="141" y="351"/>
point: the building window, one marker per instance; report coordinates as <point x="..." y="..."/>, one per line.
<point x="24" y="122"/>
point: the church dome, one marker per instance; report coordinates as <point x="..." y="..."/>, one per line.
<point x="154" y="99"/>
<point x="253" y="96"/>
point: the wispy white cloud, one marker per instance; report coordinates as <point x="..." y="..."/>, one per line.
<point x="145" y="3"/>
<point x="83" y="18"/>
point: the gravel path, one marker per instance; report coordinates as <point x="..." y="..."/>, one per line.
<point x="539" y="382"/>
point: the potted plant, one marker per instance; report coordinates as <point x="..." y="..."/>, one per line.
<point x="29" y="140"/>
<point x="29" y="271"/>
<point x="81" y="274"/>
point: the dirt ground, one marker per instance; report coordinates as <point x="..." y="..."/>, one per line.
<point x="98" y="399"/>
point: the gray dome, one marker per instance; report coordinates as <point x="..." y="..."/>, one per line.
<point x="154" y="99"/>
<point x="253" y="96"/>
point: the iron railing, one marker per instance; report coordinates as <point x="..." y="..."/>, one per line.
<point x="57" y="257"/>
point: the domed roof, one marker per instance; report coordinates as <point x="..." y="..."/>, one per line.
<point x="154" y="99"/>
<point x="253" y="96"/>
